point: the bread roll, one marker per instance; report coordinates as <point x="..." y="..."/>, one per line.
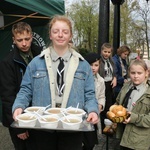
<point x="110" y="114"/>
<point x="117" y="113"/>
<point x="120" y="113"/>
<point x="112" y="107"/>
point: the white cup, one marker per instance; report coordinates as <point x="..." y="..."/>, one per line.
<point x="108" y="122"/>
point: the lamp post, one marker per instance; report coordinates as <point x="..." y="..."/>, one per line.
<point x="103" y="33"/>
<point x="116" y="28"/>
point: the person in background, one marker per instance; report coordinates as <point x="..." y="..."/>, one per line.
<point x="90" y="139"/>
<point x="71" y="43"/>
<point x="61" y="77"/>
<point x="121" y="68"/>
<point x="107" y="71"/>
<point x="135" y="130"/>
<point x="12" y="68"/>
<point x="148" y="66"/>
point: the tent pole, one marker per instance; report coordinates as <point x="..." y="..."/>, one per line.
<point x="18" y="20"/>
<point x="12" y="15"/>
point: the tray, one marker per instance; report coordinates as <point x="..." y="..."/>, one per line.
<point x="85" y="126"/>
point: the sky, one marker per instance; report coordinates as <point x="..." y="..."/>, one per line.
<point x="69" y="2"/>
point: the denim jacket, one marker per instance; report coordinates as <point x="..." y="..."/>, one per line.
<point x="37" y="87"/>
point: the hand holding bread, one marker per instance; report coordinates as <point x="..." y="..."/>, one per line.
<point x="117" y="113"/>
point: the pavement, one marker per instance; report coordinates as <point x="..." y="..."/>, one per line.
<point x="107" y="143"/>
<point x="6" y="144"/>
<point x="5" y="141"/>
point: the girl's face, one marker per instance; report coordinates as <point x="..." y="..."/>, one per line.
<point x="95" y="67"/>
<point x="124" y="55"/>
<point x="60" y="34"/>
<point x="137" y="74"/>
<point x="106" y="52"/>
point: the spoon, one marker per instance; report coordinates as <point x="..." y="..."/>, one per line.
<point x="40" y="116"/>
<point x="67" y="108"/>
<point x="43" y="109"/>
<point x="65" y="116"/>
<point x="47" y="107"/>
<point x="32" y="116"/>
<point x="77" y="107"/>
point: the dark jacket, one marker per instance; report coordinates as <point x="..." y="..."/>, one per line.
<point x="102" y="71"/>
<point x="12" y="70"/>
<point x="118" y="71"/>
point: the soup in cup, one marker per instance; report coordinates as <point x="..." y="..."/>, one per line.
<point x="26" y="120"/>
<point x="33" y="109"/>
<point x="71" y="122"/>
<point x="54" y="111"/>
<point x="75" y="111"/>
<point x="49" y="121"/>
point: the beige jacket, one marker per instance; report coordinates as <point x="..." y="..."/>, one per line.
<point x="100" y="90"/>
<point x="100" y="95"/>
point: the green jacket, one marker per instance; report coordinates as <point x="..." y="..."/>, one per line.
<point x="137" y="132"/>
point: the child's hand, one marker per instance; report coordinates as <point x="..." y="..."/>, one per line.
<point x="100" y="108"/>
<point x="114" y="82"/>
<point x="127" y="120"/>
<point x="17" y="112"/>
<point x="23" y="136"/>
<point x="125" y="80"/>
<point x="92" y="118"/>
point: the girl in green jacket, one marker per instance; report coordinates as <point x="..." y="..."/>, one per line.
<point x="135" y="130"/>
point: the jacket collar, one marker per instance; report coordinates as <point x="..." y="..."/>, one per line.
<point x="74" y="53"/>
<point x="73" y="65"/>
<point x="34" y="49"/>
<point x="147" y="92"/>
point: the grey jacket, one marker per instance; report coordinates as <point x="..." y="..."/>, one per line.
<point x="102" y="71"/>
<point x="137" y="132"/>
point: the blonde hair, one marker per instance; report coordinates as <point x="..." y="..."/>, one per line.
<point x="20" y="27"/>
<point x="139" y="62"/>
<point x="60" y="18"/>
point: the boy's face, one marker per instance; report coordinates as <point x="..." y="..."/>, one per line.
<point x="106" y="53"/>
<point x="95" y="67"/>
<point x="23" y="41"/>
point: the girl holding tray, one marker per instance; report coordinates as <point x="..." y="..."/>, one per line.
<point x="61" y="77"/>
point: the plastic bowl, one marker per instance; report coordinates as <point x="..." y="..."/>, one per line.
<point x="74" y="124"/>
<point x="108" y="122"/>
<point x="51" y="121"/>
<point x="26" y="120"/>
<point x="54" y="111"/>
<point x="33" y="109"/>
<point x="75" y="111"/>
